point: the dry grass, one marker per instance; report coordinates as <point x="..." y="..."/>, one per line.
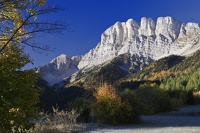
<point x="57" y="122"/>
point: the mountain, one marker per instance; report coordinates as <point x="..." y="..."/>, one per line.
<point x="142" y="43"/>
<point x="109" y="71"/>
<point x="59" y="68"/>
<point x="147" y="39"/>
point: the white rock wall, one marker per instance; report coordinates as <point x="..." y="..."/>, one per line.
<point x="148" y="39"/>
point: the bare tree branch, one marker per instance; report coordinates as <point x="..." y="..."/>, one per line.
<point x="14" y="34"/>
<point x="32" y="27"/>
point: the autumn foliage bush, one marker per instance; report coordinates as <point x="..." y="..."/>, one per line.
<point x="110" y="108"/>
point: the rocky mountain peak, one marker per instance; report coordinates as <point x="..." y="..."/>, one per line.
<point x="146" y="40"/>
<point x="60" y="61"/>
<point x="147" y="27"/>
<point x="168" y="27"/>
<point x="59" y="68"/>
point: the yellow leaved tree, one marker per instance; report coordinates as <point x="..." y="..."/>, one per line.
<point x="19" y="26"/>
<point x="113" y="108"/>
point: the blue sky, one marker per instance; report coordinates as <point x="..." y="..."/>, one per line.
<point x="88" y="19"/>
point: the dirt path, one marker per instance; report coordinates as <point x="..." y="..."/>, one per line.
<point x="186" y="120"/>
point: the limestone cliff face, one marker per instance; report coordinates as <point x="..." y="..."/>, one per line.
<point x="147" y="39"/>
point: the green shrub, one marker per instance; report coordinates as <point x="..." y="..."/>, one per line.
<point x="153" y="99"/>
<point x="178" y="102"/>
<point x="196" y="96"/>
<point x="130" y="99"/>
<point x="83" y="105"/>
<point x="182" y="99"/>
<point x="175" y="104"/>
<point x="190" y="98"/>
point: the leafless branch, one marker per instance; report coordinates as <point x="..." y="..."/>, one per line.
<point x="11" y="38"/>
<point x="33" y="27"/>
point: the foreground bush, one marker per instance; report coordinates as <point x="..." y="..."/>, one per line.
<point x="196" y="97"/>
<point x="57" y="122"/>
<point x="190" y="98"/>
<point x="110" y="109"/>
<point x="131" y="100"/>
<point x="83" y="105"/>
<point x="153" y="99"/>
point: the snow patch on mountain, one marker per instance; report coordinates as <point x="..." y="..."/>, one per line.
<point x="59" y="68"/>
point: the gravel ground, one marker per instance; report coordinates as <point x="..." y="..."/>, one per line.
<point x="186" y="120"/>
